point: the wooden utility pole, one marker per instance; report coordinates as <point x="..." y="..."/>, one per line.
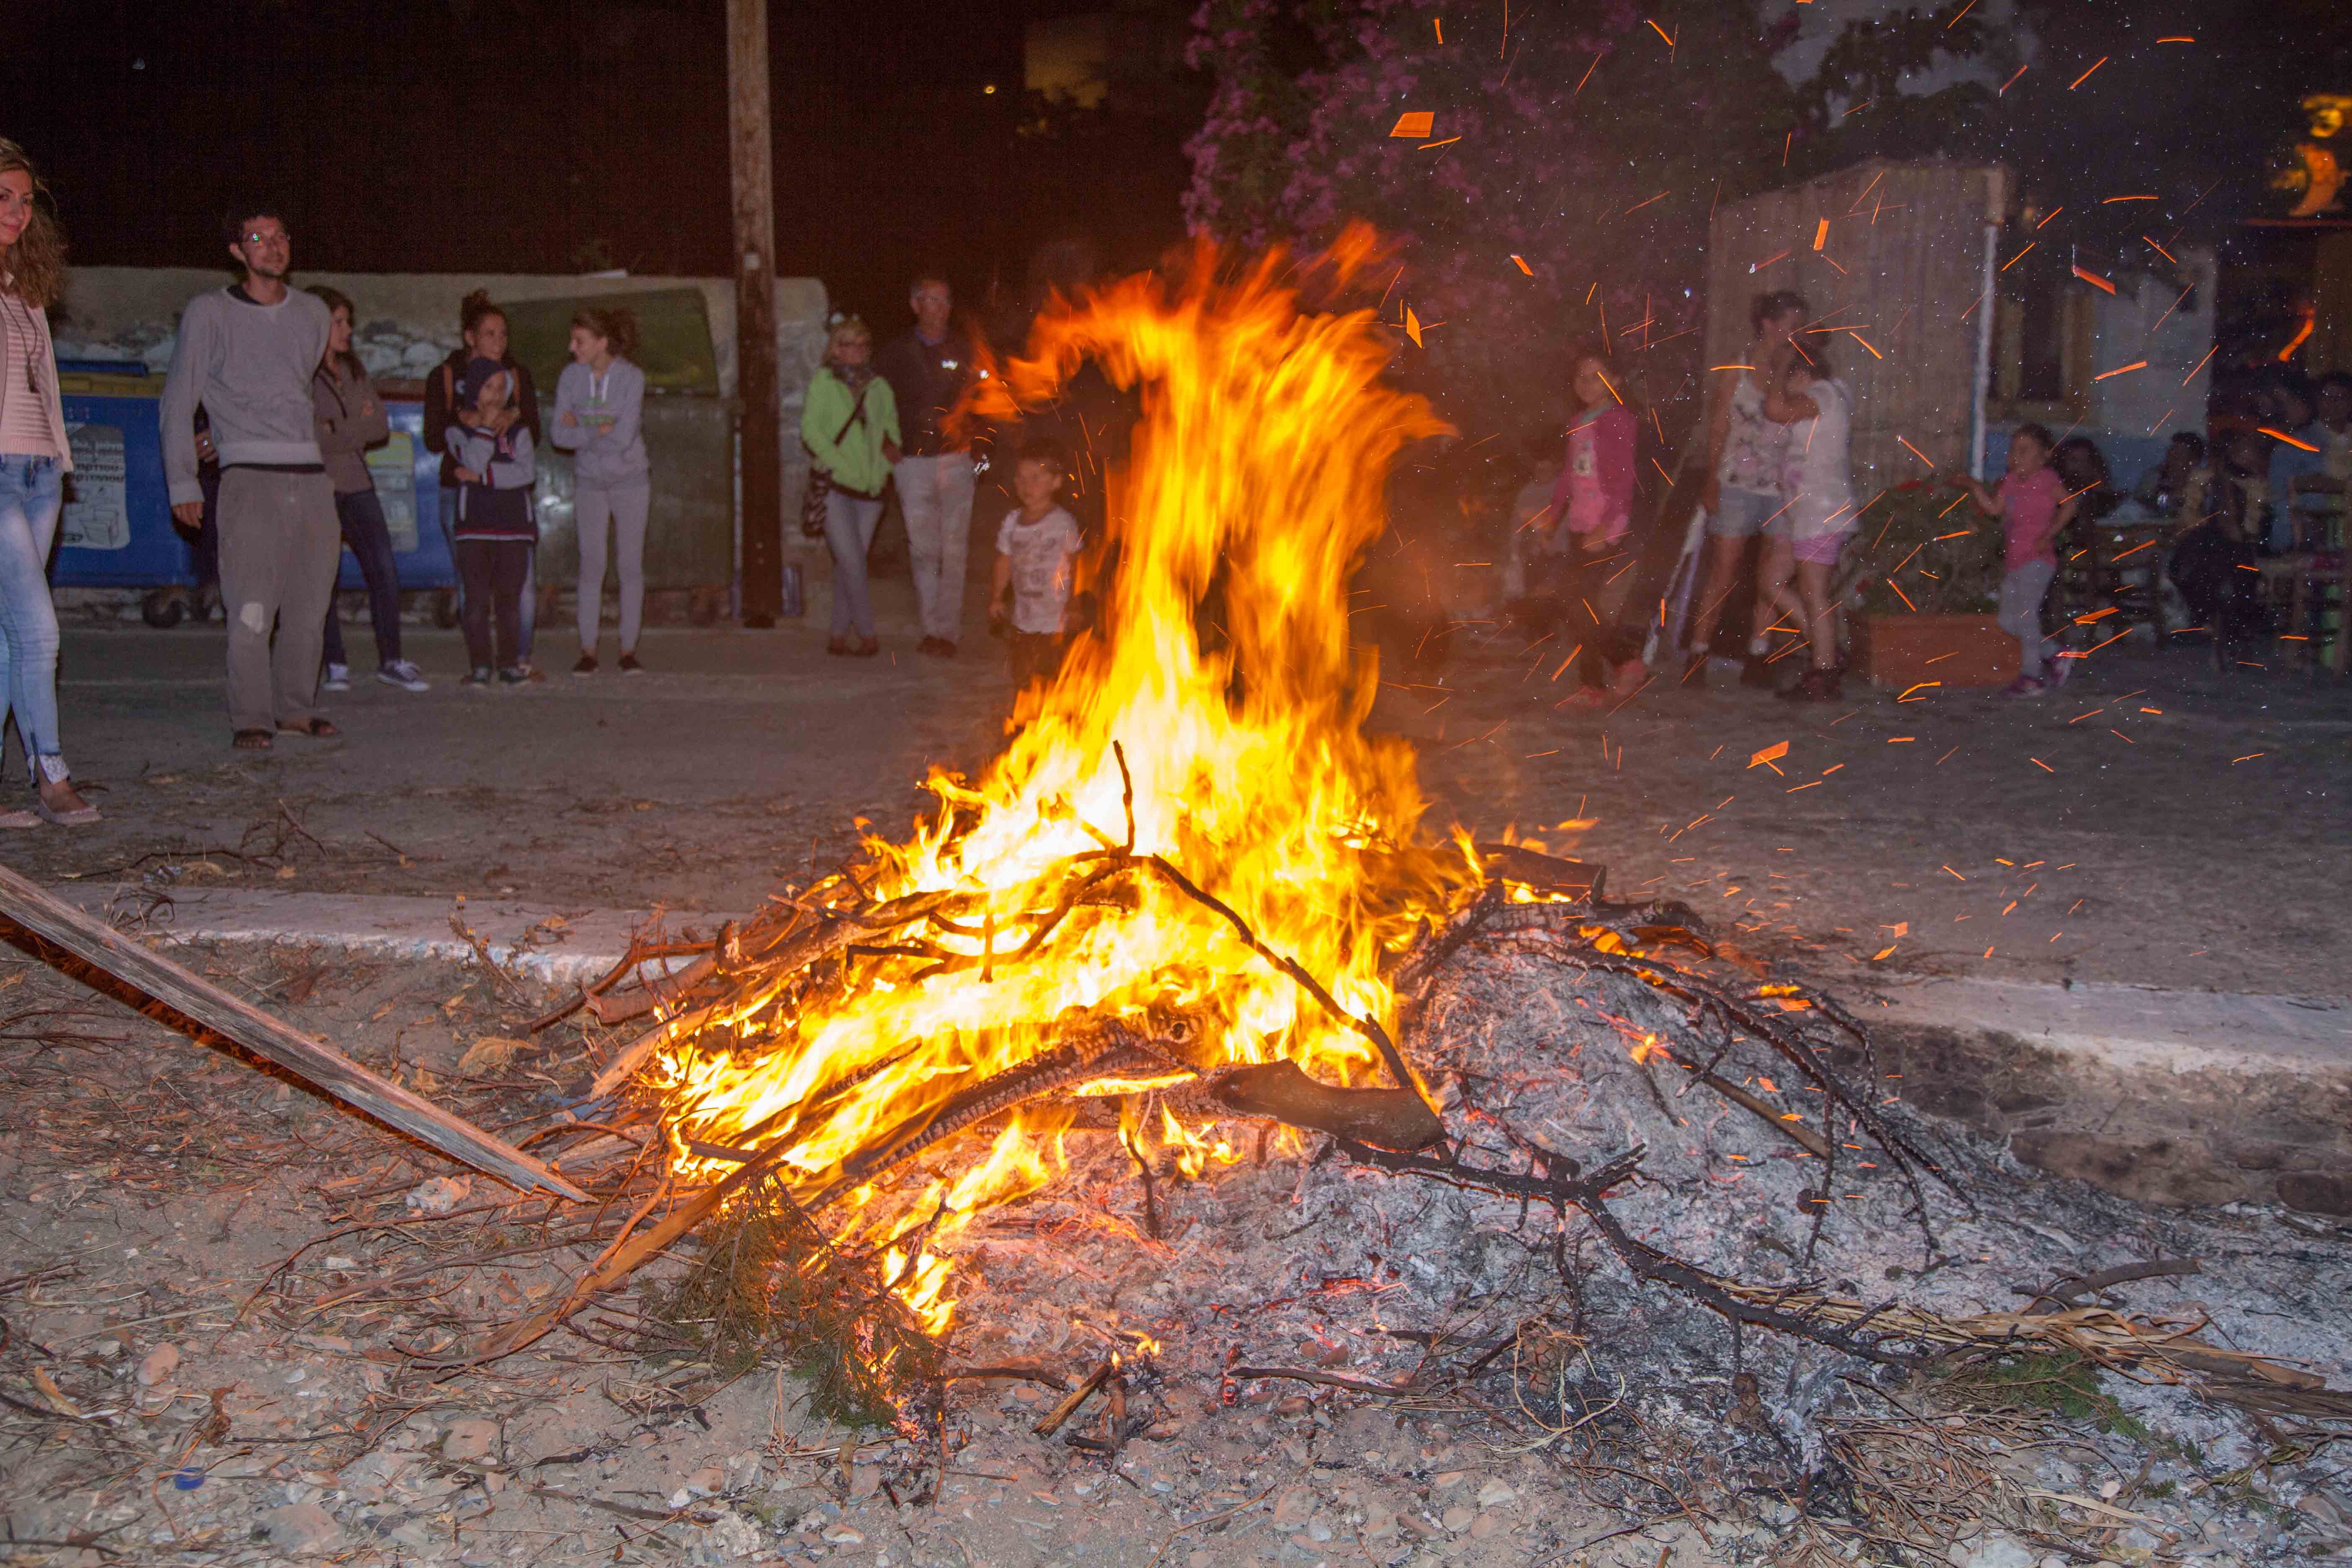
<point x="749" y="143"/>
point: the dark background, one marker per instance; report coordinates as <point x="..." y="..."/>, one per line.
<point x="575" y="135"/>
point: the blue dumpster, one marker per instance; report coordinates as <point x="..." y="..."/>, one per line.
<point x="117" y="532"/>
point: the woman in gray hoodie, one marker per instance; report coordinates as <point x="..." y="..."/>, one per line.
<point x="599" y="401"/>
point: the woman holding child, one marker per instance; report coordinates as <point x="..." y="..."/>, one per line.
<point x="1804" y="541"/>
<point x="1744" y="451"/>
<point x="494" y="530"/>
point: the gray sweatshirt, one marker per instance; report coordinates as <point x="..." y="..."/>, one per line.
<point x="250" y="366"/>
<point x="608" y="438"/>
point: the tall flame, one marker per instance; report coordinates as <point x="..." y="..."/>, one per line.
<point x="1228" y="679"/>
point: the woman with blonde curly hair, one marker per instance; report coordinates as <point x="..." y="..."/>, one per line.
<point x="35" y="458"/>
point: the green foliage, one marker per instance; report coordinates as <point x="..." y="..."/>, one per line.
<point x="769" y="1282"/>
<point x="1590" y="142"/>
<point x="1904" y="540"/>
<point x="2064" y="1384"/>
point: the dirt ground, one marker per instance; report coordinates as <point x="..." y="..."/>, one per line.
<point x="217" y="1286"/>
<point x="2150" y="822"/>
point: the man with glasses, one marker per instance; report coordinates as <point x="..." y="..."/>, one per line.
<point x="927" y="370"/>
<point x="246" y="353"/>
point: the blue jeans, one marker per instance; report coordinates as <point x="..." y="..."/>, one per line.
<point x="529" y="573"/>
<point x="32" y="490"/>
<point x="849" y="524"/>
<point x="368" y="537"/>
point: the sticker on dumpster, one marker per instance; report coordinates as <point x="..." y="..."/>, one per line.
<point x="392" y="467"/>
<point x="98" y="517"/>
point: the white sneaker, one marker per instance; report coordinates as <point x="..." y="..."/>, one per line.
<point x="403" y="674"/>
<point x="1725" y="666"/>
<point x="338" y="678"/>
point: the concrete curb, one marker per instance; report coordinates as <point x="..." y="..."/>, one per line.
<point x="2131" y="1027"/>
<point x="557" y="946"/>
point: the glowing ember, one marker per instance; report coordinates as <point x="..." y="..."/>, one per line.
<point x="1228" y="680"/>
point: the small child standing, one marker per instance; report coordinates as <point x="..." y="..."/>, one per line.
<point x="1594" y="505"/>
<point x="1036" y="553"/>
<point x="2033" y="505"/>
<point x="494" y="528"/>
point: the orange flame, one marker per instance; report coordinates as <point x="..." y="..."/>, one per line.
<point x="1257" y="482"/>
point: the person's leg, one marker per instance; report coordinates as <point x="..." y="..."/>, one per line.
<point x="853" y="610"/>
<point x="1739" y="515"/>
<point x="256" y="517"/>
<point x="591" y="516"/>
<point x="474" y="598"/>
<point x="31" y="492"/>
<point x="1774" y="596"/>
<point x="313" y="543"/>
<point x="918" y="501"/>
<point x="1820" y="612"/>
<point x="869" y="523"/>
<point x="370" y="538"/>
<point x="527" y="605"/>
<point x="2020" y="614"/>
<point x="511" y="570"/>
<point x="956" y="482"/>
<point x="205" y="552"/>
<point x="330" y="636"/>
<point x="630" y="508"/>
<point x="449" y="539"/>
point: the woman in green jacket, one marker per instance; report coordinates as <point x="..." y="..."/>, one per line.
<point x="850" y="426"/>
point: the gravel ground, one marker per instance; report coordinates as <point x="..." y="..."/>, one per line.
<point x="2151" y="822"/>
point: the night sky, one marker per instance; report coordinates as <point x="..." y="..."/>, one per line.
<point x="568" y="135"/>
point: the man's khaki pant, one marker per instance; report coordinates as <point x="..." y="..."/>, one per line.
<point x="279" y="547"/>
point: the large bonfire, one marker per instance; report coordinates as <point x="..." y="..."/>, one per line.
<point x="1220" y="746"/>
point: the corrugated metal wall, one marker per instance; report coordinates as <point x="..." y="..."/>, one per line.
<point x="1901" y="270"/>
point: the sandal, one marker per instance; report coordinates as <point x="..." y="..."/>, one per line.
<point x="20" y="820"/>
<point x="75" y="817"/>
<point x="253" y="740"/>
<point x="1584" y="697"/>
<point x="318" y="729"/>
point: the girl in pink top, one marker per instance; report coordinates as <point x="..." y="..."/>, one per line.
<point x="2033" y="505"/>
<point x="1594" y="501"/>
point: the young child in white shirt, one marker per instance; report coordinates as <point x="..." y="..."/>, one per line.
<point x="1036" y="566"/>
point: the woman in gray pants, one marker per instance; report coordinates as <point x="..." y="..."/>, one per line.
<point x="599" y="404"/>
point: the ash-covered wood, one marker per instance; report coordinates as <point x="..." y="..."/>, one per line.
<point x="1386" y="1117"/>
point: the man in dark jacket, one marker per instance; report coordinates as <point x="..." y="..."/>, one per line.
<point x="927" y="370"/>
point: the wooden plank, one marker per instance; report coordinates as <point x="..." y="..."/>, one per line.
<point x="323" y="1066"/>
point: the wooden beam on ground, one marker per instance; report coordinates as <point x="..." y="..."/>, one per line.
<point x="323" y="1066"/>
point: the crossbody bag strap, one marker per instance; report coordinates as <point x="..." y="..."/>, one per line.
<point x="857" y="413"/>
